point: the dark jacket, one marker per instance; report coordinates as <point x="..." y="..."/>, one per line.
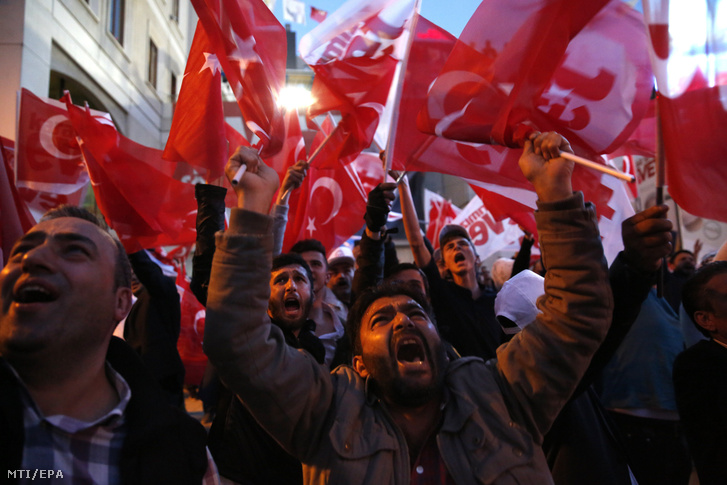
<point x="153" y="325"/>
<point x="163" y="444"/>
<point x="242" y="449"/>
<point x="495" y="412"/>
<point x="700" y="385"/>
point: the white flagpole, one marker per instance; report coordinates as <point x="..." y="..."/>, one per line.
<point x="399" y="88"/>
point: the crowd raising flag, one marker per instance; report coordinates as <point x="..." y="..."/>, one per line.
<point x="354" y="54"/>
<point x="251" y="46"/>
<point x="690" y="65"/>
<point x="578" y="68"/>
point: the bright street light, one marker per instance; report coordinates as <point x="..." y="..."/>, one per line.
<point x="294" y="97"/>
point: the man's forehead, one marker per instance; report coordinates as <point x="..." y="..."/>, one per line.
<point x="391" y="303"/>
<point x="455" y="240"/>
<point x="70" y="227"/>
<point x="290" y="269"/>
<point x="341" y="266"/>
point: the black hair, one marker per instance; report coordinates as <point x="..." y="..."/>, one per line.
<point x="367" y="298"/>
<point x="695" y="296"/>
<point x="305" y="245"/>
<point x="398" y="268"/>
<point x="291" y="259"/>
<point x="122" y="271"/>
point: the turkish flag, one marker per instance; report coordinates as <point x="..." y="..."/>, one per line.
<point x="134" y="187"/>
<point x="578" y="68"/>
<point x="191" y="331"/>
<point x="691" y="77"/>
<point x="317" y="14"/>
<point x="48" y="158"/>
<point x="293" y="146"/>
<point x="441" y="212"/>
<point x="15" y="219"/>
<point x="491" y="170"/>
<point x="488" y="234"/>
<point x="197" y="135"/>
<point x="354" y="54"/>
<point x="251" y="46"/>
<point x="331" y="202"/>
<point x="641" y="144"/>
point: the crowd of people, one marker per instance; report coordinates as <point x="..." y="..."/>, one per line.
<point x="327" y="366"/>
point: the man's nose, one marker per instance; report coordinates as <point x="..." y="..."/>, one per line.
<point x="38" y="258"/>
<point x="402" y="321"/>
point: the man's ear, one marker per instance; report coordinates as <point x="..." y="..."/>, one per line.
<point x="360" y="367"/>
<point x="123" y="303"/>
<point x="704" y="320"/>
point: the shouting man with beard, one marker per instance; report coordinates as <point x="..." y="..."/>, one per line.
<point x="243" y="451"/>
<point x="404" y="413"/>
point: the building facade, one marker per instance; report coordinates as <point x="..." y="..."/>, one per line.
<point x="125" y="57"/>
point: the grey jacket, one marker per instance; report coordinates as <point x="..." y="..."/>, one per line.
<point x="494" y="413"/>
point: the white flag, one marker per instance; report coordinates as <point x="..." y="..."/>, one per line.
<point x="294" y="11"/>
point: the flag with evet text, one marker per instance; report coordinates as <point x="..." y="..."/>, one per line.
<point x="491" y="170"/>
<point x="690" y="64"/>
<point x="578" y="68"/>
<point x="251" y="46"/>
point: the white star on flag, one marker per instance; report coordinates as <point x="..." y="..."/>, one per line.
<point x="244" y="52"/>
<point x="311" y="228"/>
<point x="212" y="63"/>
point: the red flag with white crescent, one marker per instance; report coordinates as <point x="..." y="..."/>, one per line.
<point x="578" y="68"/>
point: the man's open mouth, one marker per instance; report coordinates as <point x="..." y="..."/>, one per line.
<point x="292" y="305"/>
<point x="459" y="257"/>
<point x="34" y="293"/>
<point x="409" y="350"/>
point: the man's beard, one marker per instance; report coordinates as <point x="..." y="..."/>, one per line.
<point x="393" y="386"/>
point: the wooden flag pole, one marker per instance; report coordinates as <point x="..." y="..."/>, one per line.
<point x="598" y="167"/>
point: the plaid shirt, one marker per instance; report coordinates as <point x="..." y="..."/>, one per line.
<point x="79" y="452"/>
<point x="83" y="452"/>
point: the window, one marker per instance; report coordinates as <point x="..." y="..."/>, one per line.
<point x="173" y="88"/>
<point x="175" y="11"/>
<point x="153" y="55"/>
<point x="116" y="19"/>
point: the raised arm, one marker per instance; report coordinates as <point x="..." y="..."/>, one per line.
<point x="410" y="219"/>
<point x="370" y="260"/>
<point x="292" y="180"/>
<point x="542" y="365"/>
<point x="286" y="390"/>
